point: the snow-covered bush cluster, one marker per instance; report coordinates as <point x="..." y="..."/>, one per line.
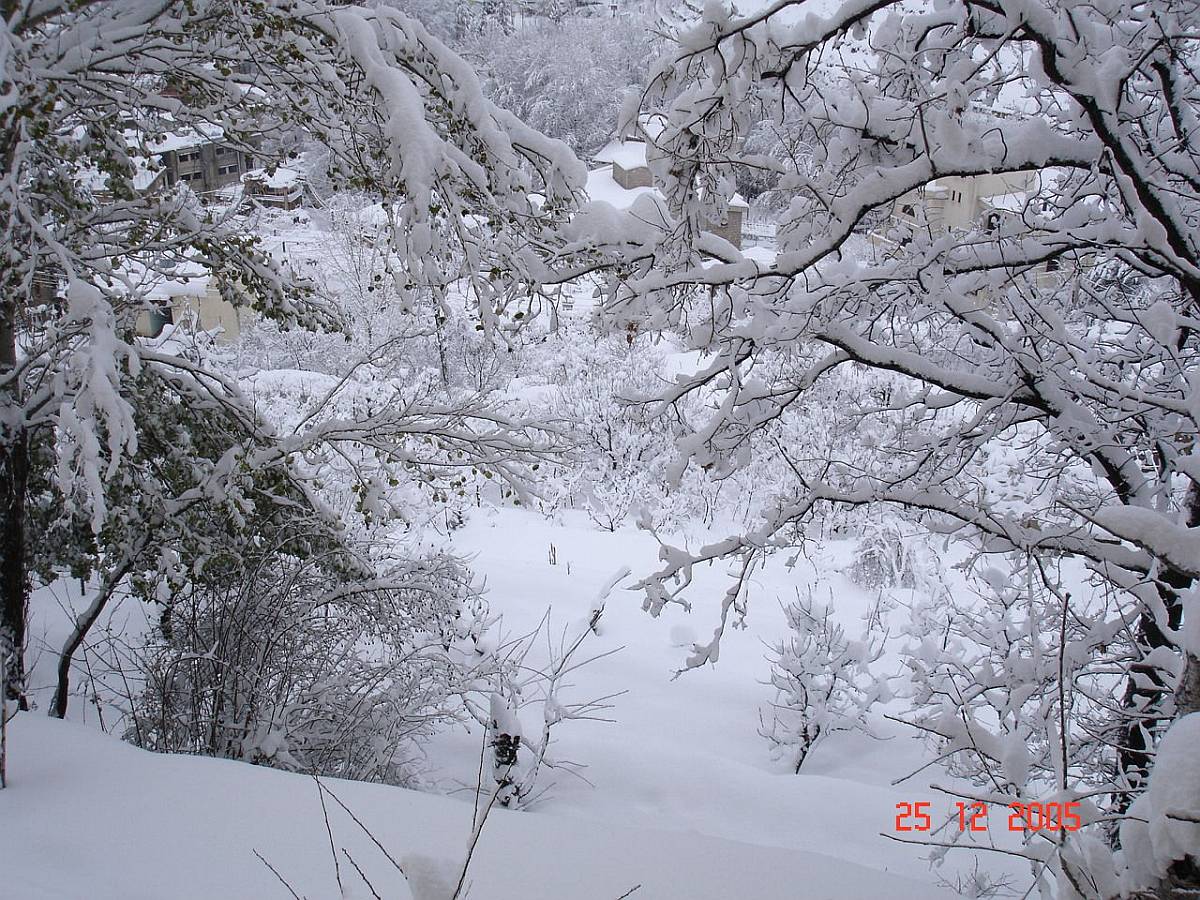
<point x="275" y="663"/>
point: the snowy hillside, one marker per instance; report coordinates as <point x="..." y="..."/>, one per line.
<point x="677" y="792"/>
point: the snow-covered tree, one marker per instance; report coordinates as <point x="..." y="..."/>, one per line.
<point x="997" y="326"/>
<point x="622" y="451"/>
<point x="823" y="682"/>
<point x="1011" y="686"/>
<point x="94" y="88"/>
<point x="567" y="78"/>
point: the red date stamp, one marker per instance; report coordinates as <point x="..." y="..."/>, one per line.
<point x="974" y="816"/>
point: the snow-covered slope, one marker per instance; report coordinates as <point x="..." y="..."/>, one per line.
<point x="89" y="817"/>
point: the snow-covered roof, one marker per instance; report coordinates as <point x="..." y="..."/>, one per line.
<point x="186" y="138"/>
<point x="602" y="186"/>
<point x="626" y="154"/>
<point x="282" y="177"/>
<point x="191" y="280"/>
<point x="144" y="175"/>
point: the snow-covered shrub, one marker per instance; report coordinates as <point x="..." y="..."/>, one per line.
<point x="823" y="682"/>
<point x="272" y="660"/>
<point x="895" y="552"/>
<point x="520" y="756"/>
<point x="622" y="447"/>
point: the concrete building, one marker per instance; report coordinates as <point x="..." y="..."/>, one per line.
<point x="963" y="202"/>
<point x="199" y="158"/>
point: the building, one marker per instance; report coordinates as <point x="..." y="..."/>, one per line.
<point x="622" y="174"/>
<point x="198" y="157"/>
<point x="147" y="178"/>
<point x="190" y="299"/>
<point x="283" y="188"/>
<point x="963" y="202"/>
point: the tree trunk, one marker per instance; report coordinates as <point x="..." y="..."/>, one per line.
<point x="83" y="624"/>
<point x="1147" y="691"/>
<point x="14" y="476"/>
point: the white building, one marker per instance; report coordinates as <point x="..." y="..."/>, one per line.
<point x="190" y="299"/>
<point x="622" y="175"/>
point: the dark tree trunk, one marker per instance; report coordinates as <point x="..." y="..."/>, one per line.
<point x="14" y="477"/>
<point x="1147" y="692"/>
<point x="85" y="621"/>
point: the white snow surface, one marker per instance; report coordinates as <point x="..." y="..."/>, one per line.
<point x="681" y="794"/>
<point x="87" y="816"/>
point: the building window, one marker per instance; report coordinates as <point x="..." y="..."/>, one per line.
<point x="230" y="169"/>
<point x="160" y="318"/>
<point x="908" y="210"/>
<point x="1053" y="264"/>
<point x="189" y="156"/>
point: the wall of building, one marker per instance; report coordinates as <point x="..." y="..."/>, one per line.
<point x="203" y="312"/>
<point x="730" y="229"/>
<point x="632" y="178"/>
<point x="206" y="167"/>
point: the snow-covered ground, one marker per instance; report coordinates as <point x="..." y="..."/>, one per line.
<point x="88" y="817"/>
<point x="681" y="795"/>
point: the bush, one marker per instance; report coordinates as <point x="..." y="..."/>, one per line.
<point x="894" y="552"/>
<point x="823" y="682"/>
<point x="280" y="668"/>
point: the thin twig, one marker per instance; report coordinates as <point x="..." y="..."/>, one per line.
<point x="365" y="830"/>
<point x="366" y="881"/>
<point x="953" y="846"/>
<point x="475" y="834"/>
<point x="275" y="872"/>
<point x="337" y="869"/>
<point x="479" y="780"/>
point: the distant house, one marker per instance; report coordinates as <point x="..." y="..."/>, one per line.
<point x="622" y="174"/>
<point x="189" y="299"/>
<point x="964" y="202"/>
<point x="282" y="188"/>
<point x="148" y="178"/>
